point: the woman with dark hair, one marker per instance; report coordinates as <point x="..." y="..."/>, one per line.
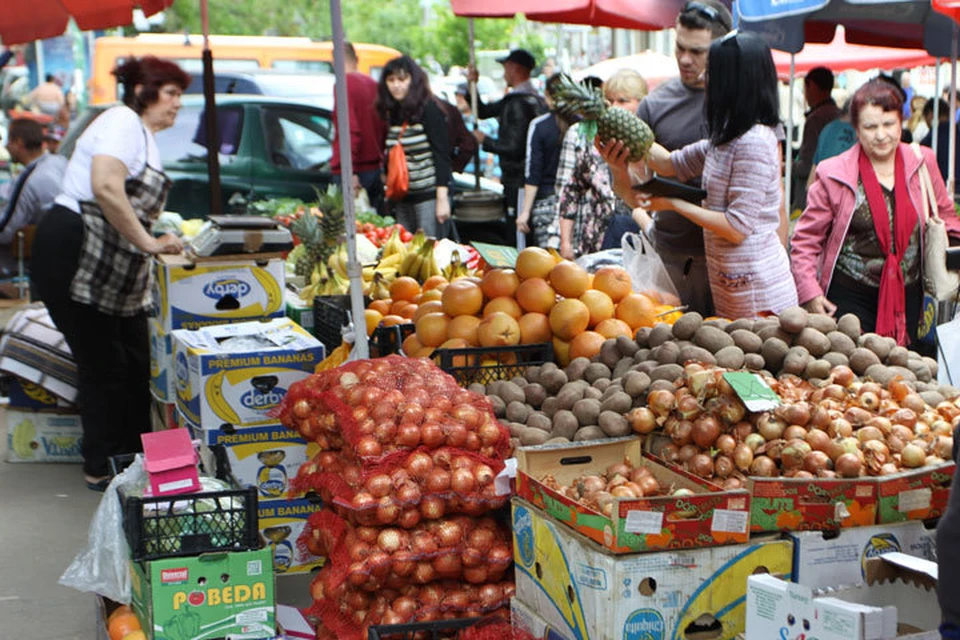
<point x="417" y="122"/>
<point x="91" y="258"/>
<point x="857" y="246"/>
<point x="742" y="217"/>
<point x="539" y="218"/>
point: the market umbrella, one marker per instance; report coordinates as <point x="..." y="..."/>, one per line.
<point x="27" y="20"/>
<point x="648" y="15"/>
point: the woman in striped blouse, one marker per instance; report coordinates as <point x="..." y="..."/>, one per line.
<point x="406" y="104"/>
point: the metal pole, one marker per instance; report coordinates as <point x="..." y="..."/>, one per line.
<point x="360" y="347"/>
<point x="935" y="130"/>
<point x="473" y="100"/>
<point x="788" y="150"/>
<point x="952" y="148"/>
<point x="210" y="116"/>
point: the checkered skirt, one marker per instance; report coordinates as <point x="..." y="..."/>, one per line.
<point x="113" y="275"/>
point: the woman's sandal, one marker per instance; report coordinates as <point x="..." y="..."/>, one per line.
<point x="97" y="485"/>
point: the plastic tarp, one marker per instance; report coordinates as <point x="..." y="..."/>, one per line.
<point x="27" y="20"/>
<point x="647" y="15"/>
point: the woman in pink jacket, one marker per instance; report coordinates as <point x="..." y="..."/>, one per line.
<point x="857" y="248"/>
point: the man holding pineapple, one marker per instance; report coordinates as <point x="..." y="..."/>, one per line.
<point x="675" y="113"/>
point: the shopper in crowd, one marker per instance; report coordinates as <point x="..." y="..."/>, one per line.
<point x="367" y="132"/>
<point x="34" y="190"/>
<point x="739" y="162"/>
<point x="514" y="113"/>
<point x="91" y="258"/>
<point x="857" y="246"/>
<point x="917" y="124"/>
<point x="47" y="97"/>
<point x="943" y="138"/>
<point x="817" y="87"/>
<point x="489" y="162"/>
<point x="586" y="201"/>
<point x="675" y="113"/>
<point x="538" y="217"/>
<point x="416" y="121"/>
<point x="948" y="557"/>
<point x="836" y="137"/>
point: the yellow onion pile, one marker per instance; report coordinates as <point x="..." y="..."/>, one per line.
<point x="846" y="428"/>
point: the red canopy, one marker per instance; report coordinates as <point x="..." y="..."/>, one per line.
<point x="26" y="20"/>
<point x="648" y="15"/>
<point x="840" y="55"/>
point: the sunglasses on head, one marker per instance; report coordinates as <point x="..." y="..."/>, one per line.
<point x="704" y="10"/>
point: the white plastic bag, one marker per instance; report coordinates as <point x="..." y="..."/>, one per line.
<point x="103" y="567"/>
<point x="646" y="269"/>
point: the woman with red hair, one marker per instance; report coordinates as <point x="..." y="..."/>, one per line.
<point x="91" y="258"/>
<point x="857" y="248"/>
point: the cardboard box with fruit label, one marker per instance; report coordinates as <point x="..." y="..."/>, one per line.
<point x="281" y="524"/>
<point x="216" y="595"/>
<point x="42" y="436"/>
<point x="238" y="374"/>
<point x="193" y="294"/>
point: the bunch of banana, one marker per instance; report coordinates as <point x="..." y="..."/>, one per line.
<point x="21" y="439"/>
<point x="336" y="358"/>
<point x="420" y="264"/>
<point x="456" y="269"/>
<point x="394" y="245"/>
<point x="337" y="262"/>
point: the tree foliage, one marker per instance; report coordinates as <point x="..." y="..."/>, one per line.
<point x="424" y="32"/>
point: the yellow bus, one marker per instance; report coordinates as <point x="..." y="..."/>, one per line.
<point x="230" y="53"/>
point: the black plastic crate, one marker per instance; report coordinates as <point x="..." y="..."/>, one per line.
<point x="386" y="341"/>
<point x="487" y="364"/>
<point x="330" y="314"/>
<point x="188" y="524"/>
<point x="420" y="630"/>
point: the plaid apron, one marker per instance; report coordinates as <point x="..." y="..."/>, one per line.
<point x="113" y="275"/>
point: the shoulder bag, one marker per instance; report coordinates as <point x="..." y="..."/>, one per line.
<point x="398" y="178"/>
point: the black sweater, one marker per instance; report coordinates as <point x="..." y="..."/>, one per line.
<point x="427" y="147"/>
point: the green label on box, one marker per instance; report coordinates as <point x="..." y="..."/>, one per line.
<point x="496" y="255"/>
<point x="753" y="391"/>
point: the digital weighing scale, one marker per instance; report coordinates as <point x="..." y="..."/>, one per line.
<point x="230" y="235"/>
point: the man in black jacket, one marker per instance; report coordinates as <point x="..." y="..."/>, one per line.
<point x="514" y="113"/>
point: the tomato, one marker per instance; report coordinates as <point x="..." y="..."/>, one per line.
<point x="406" y="236"/>
<point x="369" y="226"/>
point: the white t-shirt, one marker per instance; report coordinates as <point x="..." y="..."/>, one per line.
<point x="118" y="132"/>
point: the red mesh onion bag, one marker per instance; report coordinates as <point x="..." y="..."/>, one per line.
<point x="349" y="613"/>
<point x="387" y="404"/>
<point x="496" y="626"/>
<point x="404" y="487"/>
<point x="470" y="550"/>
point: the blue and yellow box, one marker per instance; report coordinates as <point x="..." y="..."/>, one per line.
<point x="162" y="383"/>
<point x="584" y="592"/>
<point x="281" y="524"/>
<point x="190" y="295"/>
<point x="238" y="374"/>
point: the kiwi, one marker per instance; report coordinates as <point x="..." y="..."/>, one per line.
<point x="614" y="424"/>
<point x="565" y="424"/>
<point x="712" y="339"/>
<point x="686" y="325"/>
<point x="793" y="319"/>
<point x="748" y="341"/>
<point x="535" y="394"/>
<point x="587" y="411"/>
<point x="731" y="357"/>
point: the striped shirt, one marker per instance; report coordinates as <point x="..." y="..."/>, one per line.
<point x="427" y="147"/>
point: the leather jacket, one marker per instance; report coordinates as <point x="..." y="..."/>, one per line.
<point x="514" y="111"/>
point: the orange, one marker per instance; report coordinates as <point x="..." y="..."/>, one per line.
<point x="561" y="351"/>
<point x="462" y="297"/>
<point x="569" y="279"/>
<point x="411" y="345"/>
<point x="534" y="327"/>
<point x="381" y="306"/>
<point x="404" y="288"/>
<point x="392" y="319"/>
<point x="600" y="306"/>
<point x="613" y="327"/>
<point x="465" y="328"/>
<point x="534" y="262"/>
<point x="432" y="306"/>
<point x="637" y="310"/>
<point x="373" y="318"/>
<point x="505" y="304"/>
<point x="434" y="282"/>
<point x="613" y="281"/>
<point x="586" y="344"/>
<point x="136" y="635"/>
<point x="535" y="295"/>
<point x="398" y="305"/>
<point x="568" y="318"/>
<point x="498" y="283"/>
<point x="430" y="294"/>
<point x="122" y="622"/>
<point x="432" y="329"/>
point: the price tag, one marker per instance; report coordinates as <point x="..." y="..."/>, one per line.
<point x="644" y="521"/>
<point x="496" y="255"/>
<point x="730" y="521"/>
<point x="914" y="500"/>
<point x="756" y="395"/>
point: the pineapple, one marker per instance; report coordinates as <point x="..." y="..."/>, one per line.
<point x="331" y="224"/>
<point x="599" y="119"/>
<point x="309" y="229"/>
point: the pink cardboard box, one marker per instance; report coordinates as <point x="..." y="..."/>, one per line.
<point x="170" y="461"/>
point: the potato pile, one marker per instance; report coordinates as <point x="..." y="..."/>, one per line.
<point x="594" y="398"/>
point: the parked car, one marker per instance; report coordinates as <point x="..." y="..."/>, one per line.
<point x="315" y="88"/>
<point x="270" y="148"/>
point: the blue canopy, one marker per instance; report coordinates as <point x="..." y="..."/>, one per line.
<point x="787" y="24"/>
